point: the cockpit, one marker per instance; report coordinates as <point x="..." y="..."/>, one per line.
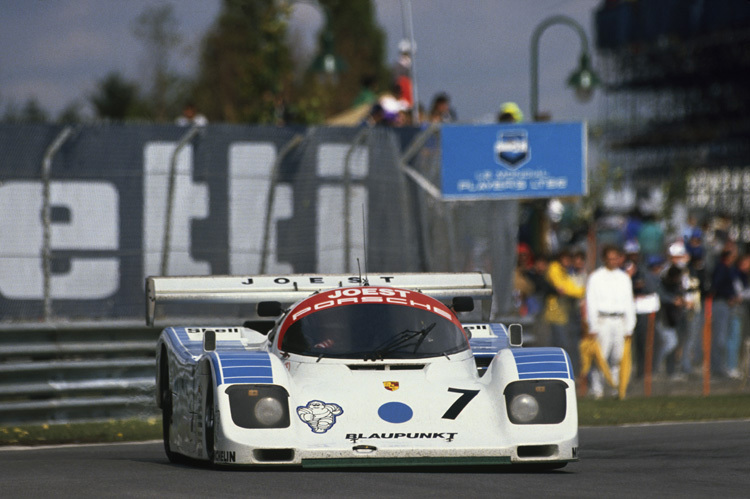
<point x="374" y="331"/>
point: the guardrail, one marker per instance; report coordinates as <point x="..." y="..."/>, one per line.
<point x="59" y="373"/>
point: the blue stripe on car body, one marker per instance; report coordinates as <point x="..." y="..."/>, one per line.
<point x="536" y="363"/>
<point x="231" y="362"/>
<point x="245" y="367"/>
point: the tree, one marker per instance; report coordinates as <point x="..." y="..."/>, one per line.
<point x="157" y="28"/>
<point x="71" y="114"/>
<point x="360" y="42"/>
<point x="245" y="66"/>
<point x="32" y="112"/>
<point x="117" y="99"/>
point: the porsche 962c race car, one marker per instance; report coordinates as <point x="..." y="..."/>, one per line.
<point x="350" y="373"/>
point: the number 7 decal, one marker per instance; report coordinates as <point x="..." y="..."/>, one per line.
<point x="462" y="401"/>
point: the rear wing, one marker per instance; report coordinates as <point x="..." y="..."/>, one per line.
<point x="288" y="289"/>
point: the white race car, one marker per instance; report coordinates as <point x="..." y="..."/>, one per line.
<point x="357" y="373"/>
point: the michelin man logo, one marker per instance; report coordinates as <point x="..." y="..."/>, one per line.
<point x="319" y="416"/>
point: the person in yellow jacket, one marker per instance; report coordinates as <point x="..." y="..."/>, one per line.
<point x="557" y="307"/>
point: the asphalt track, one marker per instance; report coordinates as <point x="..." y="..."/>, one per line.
<point x="668" y="460"/>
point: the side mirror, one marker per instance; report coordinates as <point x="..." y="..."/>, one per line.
<point x="463" y="304"/>
<point x="209" y="340"/>
<point x="270" y="309"/>
<point x="515" y="333"/>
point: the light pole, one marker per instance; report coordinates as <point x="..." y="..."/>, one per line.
<point x="408" y="29"/>
<point x="583" y="79"/>
<point x="326" y="62"/>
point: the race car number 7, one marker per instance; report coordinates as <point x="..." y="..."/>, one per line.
<point x="462" y="401"/>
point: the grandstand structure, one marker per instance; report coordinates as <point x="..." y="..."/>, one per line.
<point x="677" y="105"/>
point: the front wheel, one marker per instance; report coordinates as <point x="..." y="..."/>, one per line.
<point x="209" y="421"/>
<point x="166" y="414"/>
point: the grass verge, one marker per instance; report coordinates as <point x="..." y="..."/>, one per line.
<point x="590" y="413"/>
<point x="659" y="409"/>
<point x="131" y="430"/>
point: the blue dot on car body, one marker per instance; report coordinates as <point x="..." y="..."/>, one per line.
<point x="395" y="412"/>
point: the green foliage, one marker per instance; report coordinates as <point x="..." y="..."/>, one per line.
<point x="360" y="42"/>
<point x="157" y="28"/>
<point x="117" y="99"/>
<point x="247" y="70"/>
<point x="31" y="112"/>
<point x="246" y="64"/>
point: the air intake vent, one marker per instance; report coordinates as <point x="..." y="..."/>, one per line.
<point x="273" y="455"/>
<point x="386" y="367"/>
<point x="534" y="451"/>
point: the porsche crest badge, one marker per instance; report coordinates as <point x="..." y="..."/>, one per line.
<point x="391" y="386"/>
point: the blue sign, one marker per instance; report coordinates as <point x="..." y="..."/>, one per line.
<point x="534" y="160"/>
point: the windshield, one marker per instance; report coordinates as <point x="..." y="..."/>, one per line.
<point x="373" y="331"/>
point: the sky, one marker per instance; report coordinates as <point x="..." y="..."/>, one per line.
<point x="477" y="51"/>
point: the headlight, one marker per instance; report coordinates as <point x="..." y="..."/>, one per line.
<point x="537" y="401"/>
<point x="259" y="406"/>
<point x="268" y="411"/>
<point x="524" y="408"/>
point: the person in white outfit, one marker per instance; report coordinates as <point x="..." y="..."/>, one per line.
<point x="610" y="310"/>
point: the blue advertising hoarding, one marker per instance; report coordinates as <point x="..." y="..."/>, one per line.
<point x="513" y="161"/>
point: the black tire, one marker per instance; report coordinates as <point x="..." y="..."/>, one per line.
<point x="539" y="467"/>
<point x="166" y="409"/>
<point x="209" y="421"/>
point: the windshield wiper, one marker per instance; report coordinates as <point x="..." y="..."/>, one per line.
<point x="399" y="340"/>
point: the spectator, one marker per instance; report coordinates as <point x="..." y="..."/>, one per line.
<point x="697" y="287"/>
<point x="537" y="274"/>
<point x="509" y="113"/>
<point x="651" y="237"/>
<point x="633" y="225"/>
<point x="680" y="303"/>
<point x="402" y="73"/>
<point x="523" y="287"/>
<point x="646" y="301"/>
<point x="366" y="93"/>
<point x="579" y="275"/>
<point x="611" y="318"/>
<point x="557" y="306"/>
<point x="725" y="298"/>
<point x="441" y="111"/>
<point x="190" y="116"/>
<point x="739" y="316"/>
<point x="673" y="306"/>
<point x="393" y="104"/>
<point x="376" y="117"/>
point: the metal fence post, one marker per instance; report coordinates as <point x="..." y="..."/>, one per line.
<point x="288" y="147"/>
<point x="170" y="196"/>
<point x="360" y="137"/>
<point x="47" y="216"/>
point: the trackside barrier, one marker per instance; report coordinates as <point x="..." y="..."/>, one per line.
<point x="60" y="373"/>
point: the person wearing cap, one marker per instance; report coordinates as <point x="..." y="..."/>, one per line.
<point x="509" y="113"/>
<point x="610" y="311"/>
<point x="674" y="330"/>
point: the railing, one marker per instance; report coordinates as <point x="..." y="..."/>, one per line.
<point x="69" y="373"/>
